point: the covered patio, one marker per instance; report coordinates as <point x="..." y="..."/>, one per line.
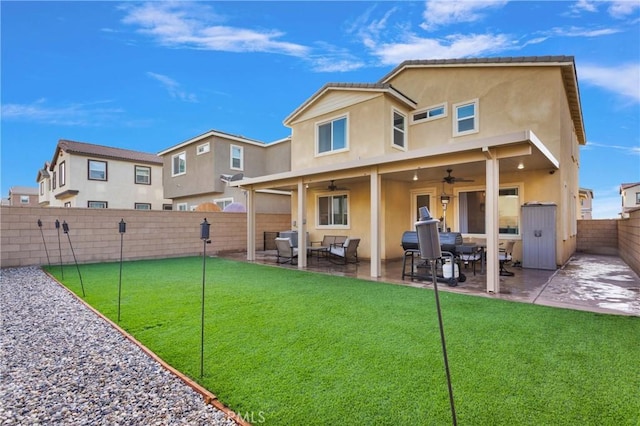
<point x="595" y="283"/>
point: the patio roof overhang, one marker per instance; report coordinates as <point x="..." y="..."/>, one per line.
<point x="512" y="149"/>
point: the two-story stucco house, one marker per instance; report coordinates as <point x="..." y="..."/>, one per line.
<point x="365" y="157"/>
<point x="96" y="176"/>
<point x="629" y="197"/>
<point x="23" y="196"/>
<point x="201" y="169"/>
<point x="586" y="203"/>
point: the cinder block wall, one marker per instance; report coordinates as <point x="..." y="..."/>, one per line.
<point x="598" y="236"/>
<point x="629" y="240"/>
<point x="95" y="238"/>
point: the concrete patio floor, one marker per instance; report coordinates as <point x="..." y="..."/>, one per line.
<point x="588" y="282"/>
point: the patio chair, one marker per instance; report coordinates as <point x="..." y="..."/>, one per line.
<point x="505" y="256"/>
<point x="286" y="251"/>
<point x="469" y="254"/>
<point x="345" y="252"/>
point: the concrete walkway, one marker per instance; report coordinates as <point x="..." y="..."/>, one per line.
<point x="596" y="283"/>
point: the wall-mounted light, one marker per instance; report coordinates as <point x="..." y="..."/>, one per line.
<point x="520" y="166"/>
<point x="415" y="175"/>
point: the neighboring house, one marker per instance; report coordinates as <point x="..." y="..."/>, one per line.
<point x="96" y="176"/>
<point x="365" y="157"/>
<point x="23" y="196"/>
<point x="630" y="197"/>
<point x="586" y="203"/>
<point x="201" y="169"/>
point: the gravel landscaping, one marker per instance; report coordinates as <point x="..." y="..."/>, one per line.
<point x="62" y="364"/>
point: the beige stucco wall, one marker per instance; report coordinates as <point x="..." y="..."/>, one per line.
<point x="119" y="190"/>
<point x="95" y="237"/>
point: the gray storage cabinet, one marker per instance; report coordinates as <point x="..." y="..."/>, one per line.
<point x="539" y="236"/>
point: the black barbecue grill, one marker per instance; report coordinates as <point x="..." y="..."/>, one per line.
<point x="448" y="243"/>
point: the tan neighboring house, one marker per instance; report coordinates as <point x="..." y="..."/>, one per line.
<point x="586" y="203"/>
<point x="365" y="157"/>
<point x="201" y="169"/>
<point x="630" y="198"/>
<point x="96" y="176"/>
<point x="23" y="196"/>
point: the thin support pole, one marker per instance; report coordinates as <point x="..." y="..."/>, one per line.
<point x="120" y="280"/>
<point x="60" y="249"/>
<point x="76" y="262"/>
<point x="44" y="242"/>
<point x="204" y="263"/>
<point x="444" y="345"/>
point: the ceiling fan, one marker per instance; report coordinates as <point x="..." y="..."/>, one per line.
<point x="333" y="187"/>
<point x="452" y="179"/>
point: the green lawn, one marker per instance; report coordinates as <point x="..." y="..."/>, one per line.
<point x="300" y="348"/>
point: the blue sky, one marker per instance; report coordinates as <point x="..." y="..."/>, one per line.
<point x="146" y="76"/>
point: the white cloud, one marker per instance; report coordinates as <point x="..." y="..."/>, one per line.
<point x="173" y="87"/>
<point x="453" y="46"/>
<point x="623" y="8"/>
<point x="195" y="26"/>
<point x="622" y="80"/>
<point x="626" y="150"/>
<point x="76" y="114"/>
<point x="439" y="12"/>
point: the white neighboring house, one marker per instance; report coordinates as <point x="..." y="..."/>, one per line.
<point x="630" y="194"/>
<point x="96" y="176"/>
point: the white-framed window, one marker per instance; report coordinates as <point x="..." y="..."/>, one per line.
<point x="143" y="175"/>
<point x="182" y="207"/>
<point x="237" y="157"/>
<point x="430" y="113"/>
<point x="203" y="148"/>
<point x="637" y="197"/>
<point x="97" y="170"/>
<point x="142" y="206"/>
<point x="471" y="211"/>
<point x="399" y="136"/>
<point x="167" y="207"/>
<point x="331" y="136"/>
<point x="62" y="171"/>
<point x="465" y="118"/>
<point x="179" y="164"/>
<point x="223" y="202"/>
<point x="42" y="187"/>
<point x="97" y="204"/>
<point x="54" y="179"/>
<point x="333" y="210"/>
<point x="24" y="199"/>
<point x="67" y="204"/>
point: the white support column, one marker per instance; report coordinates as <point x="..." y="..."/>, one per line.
<point x="251" y="225"/>
<point x="492" y="223"/>
<point x="375" y="184"/>
<point x="302" y="225"/>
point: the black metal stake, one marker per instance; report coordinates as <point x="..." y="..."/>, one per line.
<point x="204" y="236"/>
<point x="444" y="345"/>
<point x="59" y="248"/>
<point x="65" y="228"/>
<point x="44" y="242"/>
<point x="122" y="228"/>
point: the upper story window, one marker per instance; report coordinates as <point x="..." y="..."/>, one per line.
<point x="637" y="197"/>
<point x="465" y="118"/>
<point x="97" y="170"/>
<point x="179" y="164"/>
<point x="62" y="171"/>
<point x="97" y="204"/>
<point x="143" y="175"/>
<point x="54" y="179"/>
<point x="430" y="113"/>
<point x="333" y="210"/>
<point x="399" y="130"/>
<point x="332" y="136"/>
<point x="237" y="157"/>
<point x="204" y="148"/>
<point x="24" y="199"/>
<point x="41" y="187"/>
